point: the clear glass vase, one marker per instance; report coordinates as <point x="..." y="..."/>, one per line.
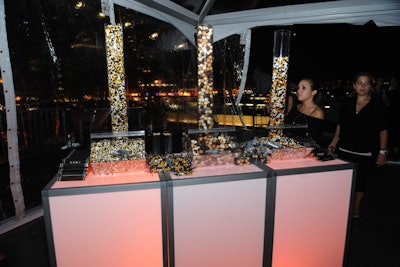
<point x="280" y="67"/>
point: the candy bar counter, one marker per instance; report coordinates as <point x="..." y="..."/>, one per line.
<point x="283" y="213"/>
<point x="106" y="220"/>
<point x="217" y="216"/>
<point x="311" y="216"/>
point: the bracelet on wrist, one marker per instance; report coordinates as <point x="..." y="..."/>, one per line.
<point x="383" y="152"/>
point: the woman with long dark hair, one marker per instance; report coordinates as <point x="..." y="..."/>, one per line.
<point x="361" y="135"/>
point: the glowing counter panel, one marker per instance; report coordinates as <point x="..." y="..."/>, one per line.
<point x="311" y="218"/>
<point x="217" y="216"/>
<point x="114" y="220"/>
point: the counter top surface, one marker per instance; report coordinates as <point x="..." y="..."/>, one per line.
<point x="92" y="179"/>
<point x="145" y="176"/>
<point x="302" y="163"/>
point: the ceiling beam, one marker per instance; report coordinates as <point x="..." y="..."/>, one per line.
<point x="204" y="12"/>
<point x="172" y="9"/>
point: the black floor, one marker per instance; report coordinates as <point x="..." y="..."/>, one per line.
<point x="374" y="239"/>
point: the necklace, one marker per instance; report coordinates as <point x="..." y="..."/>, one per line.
<point x="311" y="109"/>
<point x="360" y="104"/>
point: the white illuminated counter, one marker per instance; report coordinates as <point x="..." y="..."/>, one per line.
<point x="311" y="217"/>
<point x="284" y="213"/>
<point x="114" y="220"/>
<point x="217" y="216"/>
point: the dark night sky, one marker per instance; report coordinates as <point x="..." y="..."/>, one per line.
<point x="336" y="51"/>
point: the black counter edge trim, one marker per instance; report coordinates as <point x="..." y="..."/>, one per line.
<point x="314" y="169"/>
<point x="164" y="222"/>
<point x="269" y="220"/>
<point x="48" y="228"/>
<point x="218" y="178"/>
<point x="170" y="223"/>
<point x="350" y="219"/>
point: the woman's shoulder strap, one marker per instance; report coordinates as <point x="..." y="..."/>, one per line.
<point x="313" y="111"/>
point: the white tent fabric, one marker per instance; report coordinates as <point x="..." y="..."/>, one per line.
<point x="356" y="12"/>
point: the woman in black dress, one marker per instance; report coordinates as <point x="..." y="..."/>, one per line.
<point x="361" y="135"/>
<point x="306" y="113"/>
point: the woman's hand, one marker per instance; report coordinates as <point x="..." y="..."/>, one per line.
<point x="332" y="147"/>
<point x="335" y="139"/>
<point x="381" y="160"/>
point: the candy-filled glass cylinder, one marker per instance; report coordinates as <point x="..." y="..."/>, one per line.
<point x="280" y="67"/>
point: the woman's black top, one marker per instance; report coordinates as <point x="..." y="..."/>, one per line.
<point x="359" y="132"/>
<point x="313" y="131"/>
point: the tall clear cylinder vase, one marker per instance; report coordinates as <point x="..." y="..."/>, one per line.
<point x="280" y="67"/>
<point x="205" y="59"/>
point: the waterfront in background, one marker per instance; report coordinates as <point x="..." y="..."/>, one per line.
<point x="43" y="133"/>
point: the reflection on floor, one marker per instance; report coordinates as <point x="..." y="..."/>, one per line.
<point x="374" y="238"/>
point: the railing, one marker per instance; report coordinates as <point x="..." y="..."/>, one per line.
<point x="39" y="131"/>
<point x="42" y="133"/>
<point x="45" y="130"/>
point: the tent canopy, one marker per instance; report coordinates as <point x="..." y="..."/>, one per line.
<point x="234" y="17"/>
